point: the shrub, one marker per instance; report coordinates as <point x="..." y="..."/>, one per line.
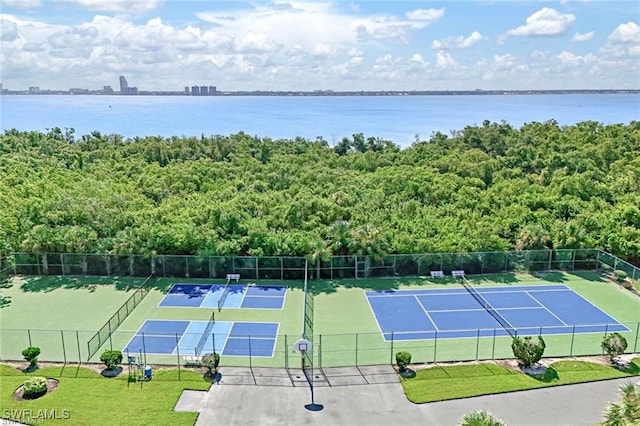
<point x="480" y="418"/>
<point x="627" y="285"/>
<point x="211" y="361"/>
<point x="614" y="345"/>
<point x="619" y="275"/>
<point x="403" y="359"/>
<point x="34" y="385"/>
<point x="31" y="355"/>
<point x="111" y="359"/>
<point x="527" y="350"/>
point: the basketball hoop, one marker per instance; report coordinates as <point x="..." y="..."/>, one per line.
<point x="302" y="346"/>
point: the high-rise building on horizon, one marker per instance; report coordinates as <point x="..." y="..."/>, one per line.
<point x="123" y="85"/>
<point x="125" y="89"/>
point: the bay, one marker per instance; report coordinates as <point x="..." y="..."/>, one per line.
<point x="401" y="119"/>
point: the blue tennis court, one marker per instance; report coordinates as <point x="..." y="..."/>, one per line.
<point x="456" y="313"/>
<point x="229" y="338"/>
<point x="186" y="295"/>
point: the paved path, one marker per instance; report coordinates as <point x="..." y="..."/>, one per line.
<point x="385" y="404"/>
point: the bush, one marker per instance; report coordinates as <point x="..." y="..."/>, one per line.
<point x="614" y="345"/>
<point x="527" y="350"/>
<point x="403" y="359"/>
<point x="31" y="355"/>
<point x="111" y="359"/>
<point x="211" y="361"/>
<point x="619" y="275"/>
<point x="34" y="385"/>
<point x="480" y="418"/>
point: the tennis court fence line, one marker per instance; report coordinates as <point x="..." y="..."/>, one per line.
<point x="329" y="350"/>
<point x="103" y="335"/>
<point x="292" y="267"/>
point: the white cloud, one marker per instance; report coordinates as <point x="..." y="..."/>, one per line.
<point x="430" y="15"/>
<point x="544" y="22"/>
<point x="623" y="44"/>
<point x="8" y="30"/>
<point x="444" y="60"/>
<point x="583" y="36"/>
<point x="573" y="60"/>
<point x="457" y="42"/>
<point x="625" y="33"/>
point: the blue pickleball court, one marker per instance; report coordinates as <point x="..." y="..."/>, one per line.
<point x="455" y="313"/>
<point x="233" y="296"/>
<point x="228" y="338"/>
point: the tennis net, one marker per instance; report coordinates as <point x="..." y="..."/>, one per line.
<point x="487" y="306"/>
<point x="223" y="296"/>
<point x="206" y="334"/>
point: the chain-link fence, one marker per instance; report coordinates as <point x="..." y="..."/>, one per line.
<point x="330" y="350"/>
<point x="288" y="267"/>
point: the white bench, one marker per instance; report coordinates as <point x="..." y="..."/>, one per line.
<point x="192" y="361"/>
<point x="457" y="273"/>
<point x="233" y="277"/>
<point x="437" y="274"/>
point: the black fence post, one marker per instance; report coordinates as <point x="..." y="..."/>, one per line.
<point x="64" y="351"/>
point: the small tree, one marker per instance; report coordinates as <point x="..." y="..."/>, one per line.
<point x="527" y="350"/>
<point x="111" y="359"/>
<point x="403" y="359"/>
<point x="34" y="386"/>
<point x="211" y="361"/>
<point x="31" y="354"/>
<point x="614" y="345"/>
<point x="480" y="418"/>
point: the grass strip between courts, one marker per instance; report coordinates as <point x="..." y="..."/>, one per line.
<point x="92" y="399"/>
<point x="442" y="383"/>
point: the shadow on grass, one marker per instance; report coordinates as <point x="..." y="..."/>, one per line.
<point x="4" y="301"/>
<point x="91" y="284"/>
<point x="553" y="277"/>
<point x="374" y="284"/>
<point x="550" y="375"/>
<point x="506" y="278"/>
<point x="593" y="276"/>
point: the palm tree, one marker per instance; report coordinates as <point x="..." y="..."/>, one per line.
<point x="319" y="252"/>
<point x="625" y="411"/>
<point x="480" y="418"/>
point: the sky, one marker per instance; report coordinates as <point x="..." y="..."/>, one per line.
<point x="320" y="45"/>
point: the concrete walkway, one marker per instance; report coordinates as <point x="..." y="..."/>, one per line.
<point x="385" y="404"/>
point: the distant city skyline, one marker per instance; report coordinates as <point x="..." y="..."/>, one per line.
<point x="315" y="45"/>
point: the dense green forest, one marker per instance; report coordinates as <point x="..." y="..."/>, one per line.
<point x="488" y="187"/>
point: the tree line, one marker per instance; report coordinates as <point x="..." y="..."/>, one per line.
<point x="484" y="187"/>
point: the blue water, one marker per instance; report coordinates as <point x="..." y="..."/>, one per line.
<point x="397" y="118"/>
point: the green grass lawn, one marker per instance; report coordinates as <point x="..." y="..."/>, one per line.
<point x="94" y="400"/>
<point x="450" y="382"/>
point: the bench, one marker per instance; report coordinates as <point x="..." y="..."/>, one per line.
<point x="437" y="274"/>
<point x="233" y="277"/>
<point x="457" y="273"/>
<point x="192" y="361"/>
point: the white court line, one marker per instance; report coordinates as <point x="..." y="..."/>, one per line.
<point x="545" y="307"/>
<point x="598" y="308"/>
<point x="274" y="338"/>
<point x="375" y="317"/>
<point x="415" y="296"/>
